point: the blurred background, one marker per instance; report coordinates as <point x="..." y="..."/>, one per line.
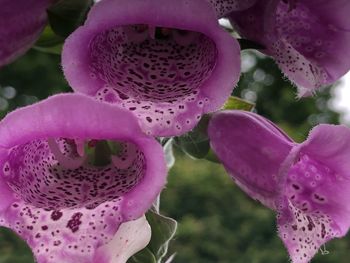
<point x="217" y="222"/>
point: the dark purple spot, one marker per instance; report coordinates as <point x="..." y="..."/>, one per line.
<point x="320" y="198"/>
<point x="311" y="224"/>
<point x="296" y="187"/>
<point x="57" y="243"/>
<point x="56" y="215"/>
<point x="323" y="230"/>
<point x="74" y="223"/>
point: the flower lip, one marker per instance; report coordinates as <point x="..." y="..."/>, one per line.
<point x="64" y="231"/>
<point x="314" y="207"/>
<point x="72" y="116"/>
<point x="175" y="76"/>
<point x="329" y="144"/>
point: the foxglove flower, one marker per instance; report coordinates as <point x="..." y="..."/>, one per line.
<point x="308" y="184"/>
<point x="309" y="39"/>
<point x="156" y="59"/>
<point x="72" y="170"/>
<point x="21" y="23"/>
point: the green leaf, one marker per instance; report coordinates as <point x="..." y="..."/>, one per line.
<point x="56" y="50"/>
<point x="66" y="15"/>
<point x="196" y="142"/>
<point x="48" y="38"/>
<point x="235" y="103"/>
<point x="163" y="230"/>
<point x="211" y="156"/>
<point x="144" y="256"/>
<point x="49" y="42"/>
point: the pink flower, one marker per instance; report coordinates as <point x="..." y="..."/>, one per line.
<point x="310" y="40"/>
<point x="72" y="171"/>
<point x="308" y="184"/>
<point x="158" y="60"/>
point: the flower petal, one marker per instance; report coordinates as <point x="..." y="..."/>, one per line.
<point x="65" y="214"/>
<point x="6" y="196"/>
<point x="303" y="233"/>
<point x="159" y="61"/>
<point x="318" y="38"/>
<point x="257" y="23"/>
<point x="317" y="191"/>
<point x="312" y="193"/>
<point x="64" y="235"/>
<point x="309" y="43"/>
<point x="330" y="145"/>
<point x="19" y="32"/>
<point x="252" y="150"/>
<point x="224" y="7"/>
<point x="131" y="237"/>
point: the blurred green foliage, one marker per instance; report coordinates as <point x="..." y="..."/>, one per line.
<point x="33" y="77"/>
<point x="263" y="83"/>
<point x="217" y="222"/>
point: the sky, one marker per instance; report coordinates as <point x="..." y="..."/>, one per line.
<point x="341" y="99"/>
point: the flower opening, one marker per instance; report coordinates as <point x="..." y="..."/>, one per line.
<point x="71" y="175"/>
<point x="159" y="61"/>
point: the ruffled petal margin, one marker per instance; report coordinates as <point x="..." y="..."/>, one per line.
<point x="315" y="208"/>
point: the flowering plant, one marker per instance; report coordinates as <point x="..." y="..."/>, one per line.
<point x="82" y="172"/>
